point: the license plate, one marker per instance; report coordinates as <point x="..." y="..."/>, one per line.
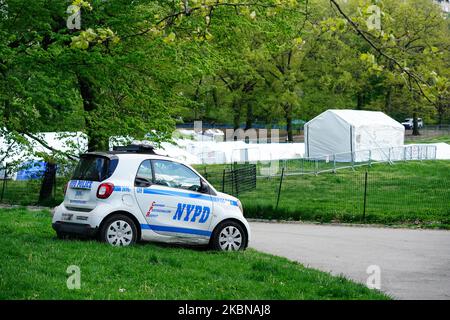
<point x="80" y="184"/>
<point x="67" y="216"/>
<point x="78" y="194"/>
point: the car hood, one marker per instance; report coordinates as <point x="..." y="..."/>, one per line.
<point x="226" y="196"/>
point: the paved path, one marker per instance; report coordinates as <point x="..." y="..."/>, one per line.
<point x="414" y="264"/>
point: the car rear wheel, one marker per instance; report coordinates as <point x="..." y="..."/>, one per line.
<point x="119" y="230"/>
<point x="229" y="236"/>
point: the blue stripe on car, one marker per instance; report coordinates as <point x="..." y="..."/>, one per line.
<point x="122" y="189"/>
<point x="188" y="195"/>
<point x="176" y="229"/>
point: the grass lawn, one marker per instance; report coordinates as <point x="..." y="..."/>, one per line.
<point x="34" y="266"/>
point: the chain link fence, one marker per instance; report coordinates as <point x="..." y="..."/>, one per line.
<point x="413" y="192"/>
<point x="410" y="192"/>
<point x="428" y="132"/>
<point x="34" y="183"/>
<point x="232" y="179"/>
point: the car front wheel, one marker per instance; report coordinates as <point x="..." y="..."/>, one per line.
<point x="119" y="230"/>
<point x="229" y="236"/>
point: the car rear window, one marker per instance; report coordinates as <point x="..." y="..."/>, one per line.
<point x="94" y="168"/>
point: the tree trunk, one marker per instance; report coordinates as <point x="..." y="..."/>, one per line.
<point x="48" y="182"/>
<point x="236" y="114"/>
<point x="415" y="125"/>
<point x="249" y="119"/>
<point x="197" y="98"/>
<point x="360" y="101"/>
<point x="443" y="105"/>
<point x="7" y="111"/>
<point x="388" y="101"/>
<point x="440" y="112"/>
<point x="96" y="142"/>
<point x="215" y="98"/>
<point x="288" y="117"/>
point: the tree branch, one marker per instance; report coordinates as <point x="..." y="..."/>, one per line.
<point x="188" y="11"/>
<point x="7" y="151"/>
<point x="47" y="146"/>
<point x="417" y="80"/>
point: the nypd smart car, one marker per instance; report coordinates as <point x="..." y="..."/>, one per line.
<point x="132" y="194"/>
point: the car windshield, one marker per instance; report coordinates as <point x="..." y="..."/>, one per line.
<point x="94" y="168"/>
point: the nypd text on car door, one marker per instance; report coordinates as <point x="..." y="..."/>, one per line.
<point x="170" y="197"/>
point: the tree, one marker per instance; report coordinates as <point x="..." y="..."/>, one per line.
<point x="405" y="52"/>
<point x="129" y="70"/>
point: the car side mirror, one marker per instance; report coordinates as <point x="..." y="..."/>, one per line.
<point x="204" y="188"/>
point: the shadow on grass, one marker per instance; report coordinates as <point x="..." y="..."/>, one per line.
<point x="140" y="243"/>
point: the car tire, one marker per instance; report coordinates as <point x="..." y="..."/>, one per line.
<point x="228" y="236"/>
<point x="119" y="230"/>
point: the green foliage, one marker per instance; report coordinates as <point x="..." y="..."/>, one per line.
<point x="301" y="64"/>
<point x="135" y="67"/>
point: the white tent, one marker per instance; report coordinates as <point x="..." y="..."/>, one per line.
<point x="349" y="134"/>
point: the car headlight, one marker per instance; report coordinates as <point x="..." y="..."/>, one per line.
<point x="240" y="206"/>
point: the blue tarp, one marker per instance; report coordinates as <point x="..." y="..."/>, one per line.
<point x="31" y="170"/>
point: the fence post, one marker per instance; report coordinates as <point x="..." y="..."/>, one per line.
<point x="334" y="162"/>
<point x="4" y="183"/>
<point x="232" y="181"/>
<point x="279" y="188"/>
<point x="223" y="181"/>
<point x="234" y="189"/>
<point x="206" y="173"/>
<point x="235" y="180"/>
<point x="365" y="196"/>
<point x="353" y="161"/>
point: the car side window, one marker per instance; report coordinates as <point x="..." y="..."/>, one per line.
<point x="175" y="175"/>
<point x="144" y="175"/>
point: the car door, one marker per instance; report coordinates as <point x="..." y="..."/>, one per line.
<point x="169" y="196"/>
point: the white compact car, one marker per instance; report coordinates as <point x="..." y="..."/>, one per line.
<point x="409" y="123"/>
<point x="132" y="194"/>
